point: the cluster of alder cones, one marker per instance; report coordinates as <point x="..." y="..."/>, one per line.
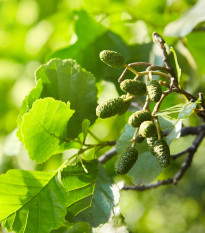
<point x="142" y="120"/>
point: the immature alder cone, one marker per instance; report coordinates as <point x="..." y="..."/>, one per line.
<point x="154" y="90"/>
<point x="138" y="117"/>
<point x="112" y="58"/>
<point x="133" y="87"/>
<point x="162" y="152"/>
<point x="126" y="160"/>
<point x="112" y="107"/>
<point x="124" y="106"/>
<point x="148" y="129"/>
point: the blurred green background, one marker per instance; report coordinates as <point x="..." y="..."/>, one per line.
<point x="32" y="31"/>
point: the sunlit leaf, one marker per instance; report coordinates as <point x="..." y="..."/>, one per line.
<point x="172" y="58"/>
<point x="44" y="128"/>
<point x="187" y="109"/>
<point x="31" y="201"/>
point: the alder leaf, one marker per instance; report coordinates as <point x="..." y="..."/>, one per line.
<point x="44" y="128"/>
<point x="65" y="80"/>
<point x="172" y="58"/>
<point x="188" y="109"/>
<point x="92" y="195"/>
<point x="31" y="201"/>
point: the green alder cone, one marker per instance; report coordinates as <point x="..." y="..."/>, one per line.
<point x="112" y="107"/>
<point x="124" y="106"/>
<point x="148" y="129"/>
<point x="154" y="90"/>
<point x="112" y="58"/>
<point x="138" y="117"/>
<point x="126" y="160"/>
<point x="150" y="142"/>
<point x="162" y="152"/>
<point x="133" y="87"/>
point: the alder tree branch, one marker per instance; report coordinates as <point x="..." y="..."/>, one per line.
<point x="108" y="155"/>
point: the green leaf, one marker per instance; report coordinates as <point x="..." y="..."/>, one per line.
<point x="146" y="168"/>
<point x="79" y="227"/>
<point x="44" y="128"/>
<point x="27" y="104"/>
<point x="31" y="201"/>
<point x="175" y="133"/>
<point x="171" y="112"/>
<point x="187" y="109"/>
<point x="91" y="196"/>
<point x="65" y="80"/>
<point x="172" y="58"/>
<point x="186" y="23"/>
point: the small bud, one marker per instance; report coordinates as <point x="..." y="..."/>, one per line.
<point x="133" y="87"/>
<point x="126" y="160"/>
<point x="162" y="152"/>
<point x="138" y="117"/>
<point x="112" y="58"/>
<point x="148" y="129"/>
<point x="154" y="90"/>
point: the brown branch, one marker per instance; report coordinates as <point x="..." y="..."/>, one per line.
<point x="160" y="41"/>
<point x="132" y="64"/>
<point x="108" y="155"/>
<point x="177" y="177"/>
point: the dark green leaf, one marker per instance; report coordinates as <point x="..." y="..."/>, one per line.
<point x="91" y="195"/>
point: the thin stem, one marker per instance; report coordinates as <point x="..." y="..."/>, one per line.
<point x="159" y="133"/>
<point x="134" y="137"/>
<point x="157" y="106"/>
<point x="131" y="69"/>
<point x="154" y="73"/>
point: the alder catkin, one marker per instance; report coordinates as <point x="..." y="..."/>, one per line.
<point x="148" y="129"/>
<point x="112" y="58"/>
<point x="138" y="117"/>
<point x="154" y="90"/>
<point x="133" y="87"/>
<point x="162" y="152"/>
<point x="126" y="160"/>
